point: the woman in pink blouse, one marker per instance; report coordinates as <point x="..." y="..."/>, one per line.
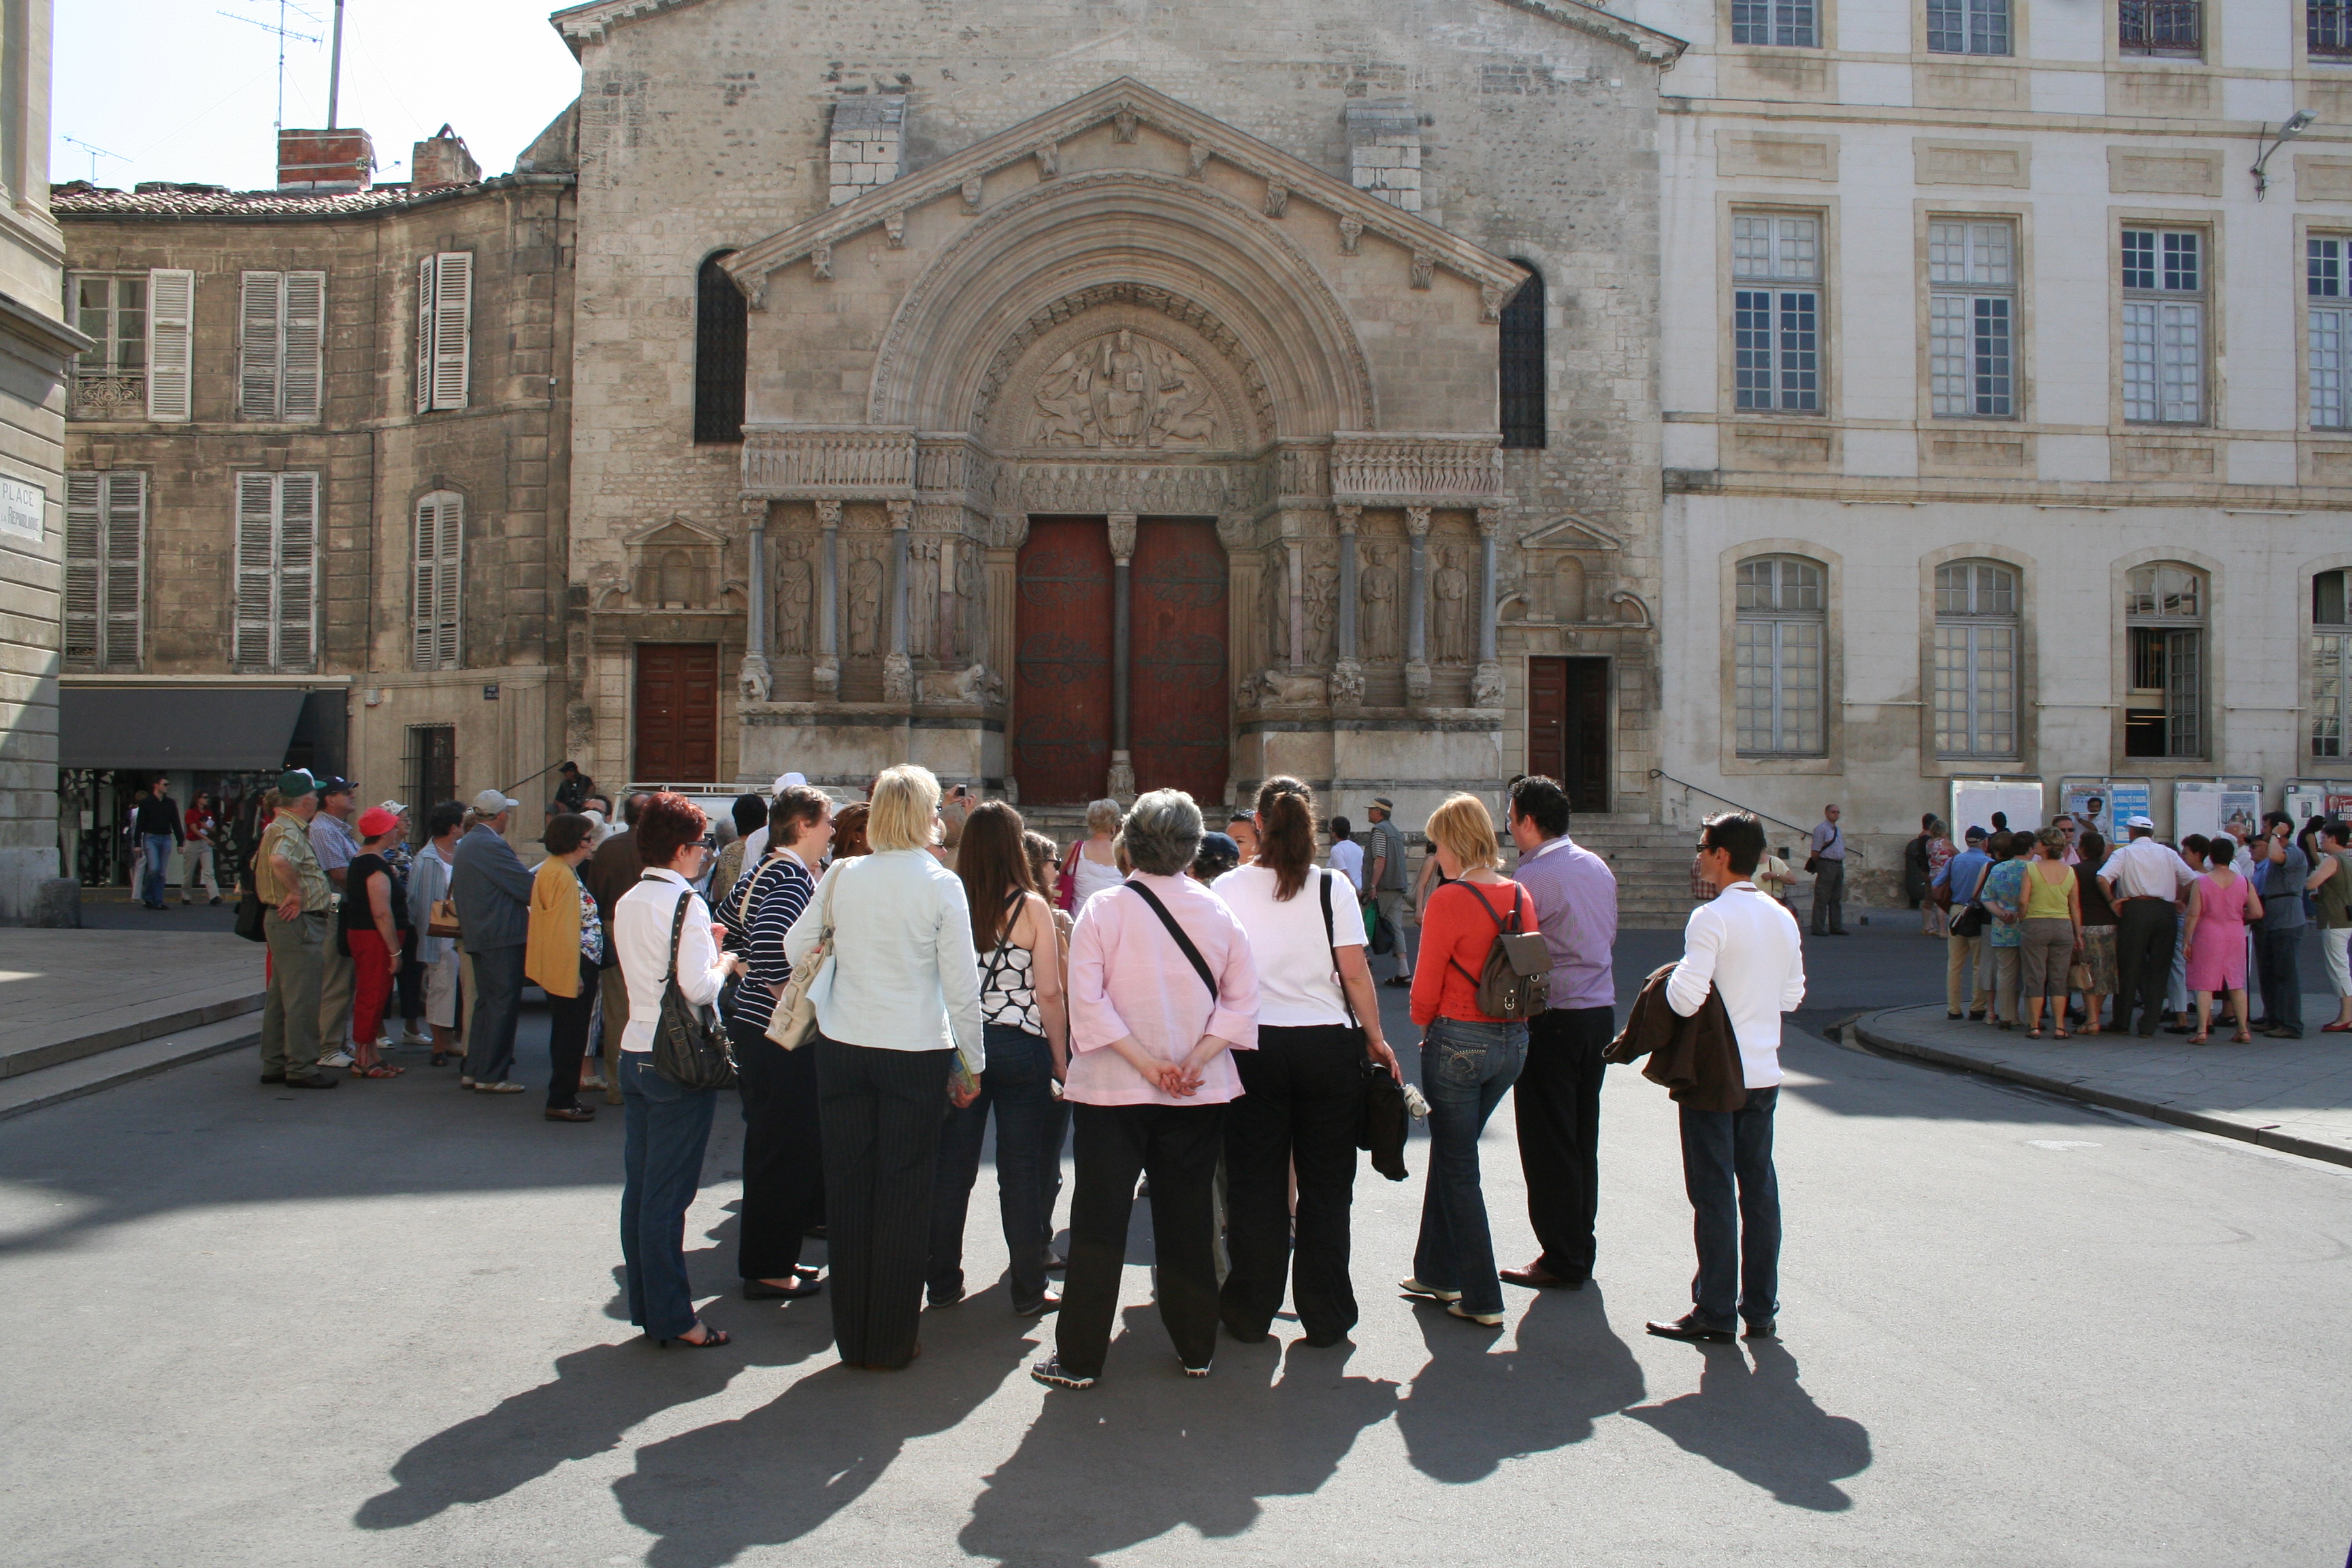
<point x="1161" y="987"/>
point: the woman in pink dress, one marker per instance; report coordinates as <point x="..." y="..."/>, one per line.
<point x="2222" y="904"/>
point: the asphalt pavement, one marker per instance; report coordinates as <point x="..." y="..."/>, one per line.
<point x="379" y="1326"/>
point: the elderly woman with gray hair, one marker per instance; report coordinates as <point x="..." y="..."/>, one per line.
<point x="1161" y="987"/>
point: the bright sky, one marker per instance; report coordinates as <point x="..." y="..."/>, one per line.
<point x="178" y="90"/>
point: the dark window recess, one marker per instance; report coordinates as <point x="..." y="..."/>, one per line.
<point x="2327" y="28"/>
<point x="432" y="771"/>
<point x="1523" y="365"/>
<point x="718" y="358"/>
<point x="2173" y="27"/>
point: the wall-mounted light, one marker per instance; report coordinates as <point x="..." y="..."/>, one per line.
<point x="2301" y="120"/>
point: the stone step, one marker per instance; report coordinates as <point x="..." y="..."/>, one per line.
<point x="72" y="1079"/>
<point x="35" y="1049"/>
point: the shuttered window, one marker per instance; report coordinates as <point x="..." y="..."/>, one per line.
<point x="277" y="571"/>
<point x="280" y="345"/>
<point x="440" y="529"/>
<point x="445" y="327"/>
<point x="171" y="316"/>
<point x="106" y="557"/>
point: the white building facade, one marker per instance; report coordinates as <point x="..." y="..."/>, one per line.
<point x="2006" y="426"/>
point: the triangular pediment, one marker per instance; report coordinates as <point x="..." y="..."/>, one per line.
<point x="674" y="531"/>
<point x="1570" y="531"/>
<point x="1126" y="106"/>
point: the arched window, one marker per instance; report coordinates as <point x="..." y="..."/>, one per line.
<point x="2331" y="662"/>
<point x="1976" y="659"/>
<point x="440" y="548"/>
<point x="1522" y="341"/>
<point x="2164" y="617"/>
<point x="1781" y="626"/>
<point x="718" y="328"/>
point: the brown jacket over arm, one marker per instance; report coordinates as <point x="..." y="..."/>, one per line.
<point x="1696" y="1059"/>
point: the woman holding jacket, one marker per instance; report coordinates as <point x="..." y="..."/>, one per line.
<point x="563" y="952"/>
<point x="901" y="1002"/>
<point x="1468" y="1059"/>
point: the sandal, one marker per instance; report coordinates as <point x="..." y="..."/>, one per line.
<point x="2242" y="1038"/>
<point x="710" y="1340"/>
<point x="2034" y="1033"/>
<point x="2196" y="1039"/>
<point x="376" y="1069"/>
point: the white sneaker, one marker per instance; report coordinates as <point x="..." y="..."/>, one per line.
<point x="464" y="1082"/>
<point x="411" y="1038"/>
<point x="337" y="1058"/>
<point x="501" y="1087"/>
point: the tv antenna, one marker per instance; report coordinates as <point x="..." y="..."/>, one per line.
<point x="95" y="154"/>
<point x="285" y="8"/>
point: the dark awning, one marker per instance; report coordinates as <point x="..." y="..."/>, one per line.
<point x="200" y="729"/>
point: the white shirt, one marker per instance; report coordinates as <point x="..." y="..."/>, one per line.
<point x="1348" y="859"/>
<point x="1297" y="987"/>
<point x="1746" y="946"/>
<point x="904" y="975"/>
<point x="641" y="922"/>
<point x="2142" y="868"/>
<point x="755" y="845"/>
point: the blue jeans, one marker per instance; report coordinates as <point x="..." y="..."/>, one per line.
<point x="1738" y="1236"/>
<point x="155" y="850"/>
<point x="665" y="1128"/>
<point x="1465" y="1069"/>
<point x="1018" y="1084"/>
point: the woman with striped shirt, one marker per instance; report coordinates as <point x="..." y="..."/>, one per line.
<point x="784" y="1161"/>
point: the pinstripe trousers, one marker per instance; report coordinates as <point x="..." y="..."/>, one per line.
<point x="879" y="1114"/>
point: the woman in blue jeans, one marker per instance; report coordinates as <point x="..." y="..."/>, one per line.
<point x="1468" y="1059"/>
<point x="1026" y="1031"/>
<point x="665" y="1126"/>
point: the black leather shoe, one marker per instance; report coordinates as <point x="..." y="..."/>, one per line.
<point x="1769" y="1328"/>
<point x="760" y="1291"/>
<point x="273" y="1077"/>
<point x="1976" y="1016"/>
<point x="312" y="1081"/>
<point x="1690" y="1328"/>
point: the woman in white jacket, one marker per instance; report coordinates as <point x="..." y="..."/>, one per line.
<point x="897" y="1000"/>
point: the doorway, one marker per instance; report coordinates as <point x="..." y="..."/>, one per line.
<point x="1178" y="726"/>
<point x="677" y="713"/>
<point x="1567" y="726"/>
<point x="1061" y="661"/>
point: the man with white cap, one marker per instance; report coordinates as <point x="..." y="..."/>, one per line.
<point x="2145" y="880"/>
<point x="492" y="892"/>
<point x="755" y="843"/>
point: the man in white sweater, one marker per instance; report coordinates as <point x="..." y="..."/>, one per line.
<point x="1744" y="947"/>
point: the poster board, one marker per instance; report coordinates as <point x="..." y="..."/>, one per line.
<point x="1975" y="800"/>
<point x="2212" y="806"/>
<point x="2103" y="804"/>
<point x="2307" y="798"/>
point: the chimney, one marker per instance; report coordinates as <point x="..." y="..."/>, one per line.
<point x="324" y="161"/>
<point x="442" y="160"/>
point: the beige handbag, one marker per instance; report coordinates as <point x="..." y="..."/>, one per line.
<point x="793" y="1022"/>
<point x="441" y="918"/>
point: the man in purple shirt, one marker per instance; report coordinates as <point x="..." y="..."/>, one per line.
<point x="1558" y="1100"/>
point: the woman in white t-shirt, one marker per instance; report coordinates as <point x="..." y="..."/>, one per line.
<point x="1303" y="1087"/>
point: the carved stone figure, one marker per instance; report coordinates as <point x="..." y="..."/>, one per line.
<point x="795" y="596"/>
<point x="970" y="610"/>
<point x="1274" y="604"/>
<point x="865" y="599"/>
<point x="1123" y="391"/>
<point x="1486" y="686"/>
<point x="752" y="679"/>
<point x="1381" y="634"/>
<point x="1181" y="413"/>
<point x="922" y="596"/>
<point x="1322" y="612"/>
<point x="1450" y="590"/>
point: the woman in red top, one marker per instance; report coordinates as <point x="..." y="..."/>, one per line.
<point x="1467" y="1058"/>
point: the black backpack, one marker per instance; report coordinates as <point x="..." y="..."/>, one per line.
<point x="1515" y="983"/>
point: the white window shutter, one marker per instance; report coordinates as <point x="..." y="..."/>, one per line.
<point x="453" y="324"/>
<point x="424" y="561"/>
<point x="257" y="567"/>
<point x="303" y="368"/>
<point x="125" y="566"/>
<point x="260" y="323"/>
<point x="448" y="601"/>
<point x="171" y="315"/>
<point x="425" y="334"/>
<point x="297" y="568"/>
<point x="83" y="510"/>
<point x="440" y="527"/>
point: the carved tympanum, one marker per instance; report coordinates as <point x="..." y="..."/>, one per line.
<point x="1123" y="391"/>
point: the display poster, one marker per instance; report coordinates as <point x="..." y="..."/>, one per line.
<point x="2307" y="798"/>
<point x="2209" y="807"/>
<point x="2104" y="806"/>
<point x="1974" y="801"/>
<point x="2127" y="798"/>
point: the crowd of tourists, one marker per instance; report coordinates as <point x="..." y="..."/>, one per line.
<point x="2047" y="928"/>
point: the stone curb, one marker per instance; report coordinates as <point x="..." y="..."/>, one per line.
<point x="41" y="1058"/>
<point x="2199" y="1121"/>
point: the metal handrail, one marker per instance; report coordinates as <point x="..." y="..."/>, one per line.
<point x="1742" y="806"/>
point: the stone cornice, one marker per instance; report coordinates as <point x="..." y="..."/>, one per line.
<point x="1652" y="47"/>
<point x="581" y="25"/>
<point x="1129" y="103"/>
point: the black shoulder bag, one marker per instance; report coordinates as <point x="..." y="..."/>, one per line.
<point x="689" y="1048"/>
<point x="1200" y="964"/>
<point x="1381" y="1132"/>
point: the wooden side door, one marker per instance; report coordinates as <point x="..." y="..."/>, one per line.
<point x="678" y="712"/>
<point x="1178" y="715"/>
<point x="1061" y="661"/>
<point x="1567" y="726"/>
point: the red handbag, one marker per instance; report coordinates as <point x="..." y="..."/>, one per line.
<point x="1065" y="886"/>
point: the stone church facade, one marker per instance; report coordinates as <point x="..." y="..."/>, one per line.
<point x="1276" y="394"/>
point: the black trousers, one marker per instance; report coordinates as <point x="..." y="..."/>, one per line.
<point x="880" y="1112"/>
<point x="783" y="1153"/>
<point x="567" y="1039"/>
<point x="2146" y="933"/>
<point x="1177" y="1147"/>
<point x="1302" y="1102"/>
<point x="1558" y="1103"/>
<point x="2279" y="959"/>
<point x="412" y="983"/>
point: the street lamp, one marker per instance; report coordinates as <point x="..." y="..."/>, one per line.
<point x="2297" y="123"/>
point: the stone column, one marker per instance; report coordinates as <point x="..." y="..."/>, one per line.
<point x="1416" y="606"/>
<point x="1295" y="568"/>
<point x="1121" y="784"/>
<point x="826" y="672"/>
<point x="754" y="679"/>
<point x="1487" y="685"/>
<point x="897" y="669"/>
<point x="1347" y="673"/>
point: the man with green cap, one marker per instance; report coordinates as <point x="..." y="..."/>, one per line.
<point x="287" y="875"/>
